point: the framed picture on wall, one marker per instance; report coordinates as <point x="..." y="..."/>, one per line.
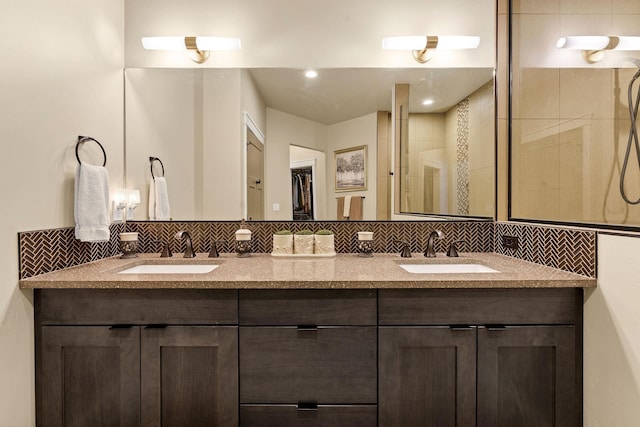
<point x="350" y="168"/>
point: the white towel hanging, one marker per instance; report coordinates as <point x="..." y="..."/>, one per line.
<point x="91" y="203"/>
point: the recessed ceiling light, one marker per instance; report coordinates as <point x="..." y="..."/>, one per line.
<point x="427" y="102"/>
<point x="311" y="74"/>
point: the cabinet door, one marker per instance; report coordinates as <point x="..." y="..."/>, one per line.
<point x="527" y="377"/>
<point x="89" y="376"/>
<point x="189" y="376"/>
<point x="427" y="376"/>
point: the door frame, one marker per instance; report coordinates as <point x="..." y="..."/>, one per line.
<point x="248" y="124"/>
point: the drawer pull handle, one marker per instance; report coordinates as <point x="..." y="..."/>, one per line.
<point x="307" y="328"/>
<point x="307" y="406"/>
<point x="461" y="327"/>
<point x="496" y="328"/>
<point x="122" y="326"/>
<point x="156" y="326"/>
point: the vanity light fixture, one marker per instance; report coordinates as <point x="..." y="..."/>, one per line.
<point x="197" y="47"/>
<point x="119" y="205"/>
<point x="594" y="47"/>
<point x="133" y="203"/>
<point x="424" y="47"/>
<point x="124" y="203"/>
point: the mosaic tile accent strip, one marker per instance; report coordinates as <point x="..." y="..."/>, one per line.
<point x="564" y="248"/>
<point x="572" y="250"/>
<point x="54" y="249"/>
<point x="463" y="156"/>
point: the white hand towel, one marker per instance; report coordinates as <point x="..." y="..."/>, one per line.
<point x="347" y="206"/>
<point x="159" y="208"/>
<point x="91" y="203"/>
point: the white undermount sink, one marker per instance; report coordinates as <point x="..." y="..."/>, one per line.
<point x="447" y="268"/>
<point x="170" y="269"/>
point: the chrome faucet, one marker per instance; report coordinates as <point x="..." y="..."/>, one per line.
<point x="430" y="252"/>
<point x="188" y="252"/>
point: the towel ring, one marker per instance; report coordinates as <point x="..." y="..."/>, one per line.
<point x="153" y="159"/>
<point x="83" y="139"/>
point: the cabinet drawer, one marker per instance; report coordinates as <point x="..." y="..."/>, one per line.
<point x="479" y="306"/>
<point x="327" y="365"/>
<point x="323" y="415"/>
<point x="136" y="306"/>
<point x="307" y="307"/>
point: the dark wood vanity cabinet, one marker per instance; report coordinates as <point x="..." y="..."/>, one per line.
<point x="517" y="362"/>
<point x="137" y="370"/>
<point x="357" y="358"/>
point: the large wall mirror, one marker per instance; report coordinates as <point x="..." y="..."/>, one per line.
<point x="234" y="133"/>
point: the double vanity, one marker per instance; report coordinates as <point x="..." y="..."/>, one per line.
<point x="478" y="340"/>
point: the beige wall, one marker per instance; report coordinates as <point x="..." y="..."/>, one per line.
<point x="611" y="340"/>
<point x="338" y="33"/>
<point x="193" y="121"/>
<point x="353" y="133"/>
<point x="161" y="106"/>
<point x="284" y="130"/>
<point x="60" y="77"/>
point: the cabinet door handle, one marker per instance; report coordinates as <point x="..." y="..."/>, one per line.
<point x="307" y="327"/>
<point x="307" y="406"/>
<point x="121" y="326"/>
<point x="156" y="326"/>
<point x="496" y="328"/>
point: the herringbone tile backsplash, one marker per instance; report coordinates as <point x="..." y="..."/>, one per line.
<point x="564" y="248"/>
<point x="49" y="250"/>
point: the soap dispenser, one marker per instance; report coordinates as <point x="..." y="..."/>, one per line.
<point x="243" y="241"/>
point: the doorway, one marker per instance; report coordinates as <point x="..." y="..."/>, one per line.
<point x="255" y="177"/>
<point x="253" y="141"/>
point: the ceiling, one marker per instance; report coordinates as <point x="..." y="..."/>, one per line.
<point x="340" y="94"/>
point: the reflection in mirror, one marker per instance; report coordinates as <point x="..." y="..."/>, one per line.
<point x="195" y="121"/>
<point x="447" y="134"/>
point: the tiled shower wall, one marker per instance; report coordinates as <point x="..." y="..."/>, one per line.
<point x="573" y="250"/>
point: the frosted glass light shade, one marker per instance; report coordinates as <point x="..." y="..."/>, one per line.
<point x="583" y="42"/>
<point x="420" y="42"/>
<point x="202" y="43"/>
<point x="628" y="43"/>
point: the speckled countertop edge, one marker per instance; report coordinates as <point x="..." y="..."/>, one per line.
<point x="344" y="271"/>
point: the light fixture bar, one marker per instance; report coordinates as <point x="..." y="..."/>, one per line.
<point x="593" y="47"/>
<point x="198" y="47"/>
<point x="424" y="47"/>
<point x="421" y="42"/>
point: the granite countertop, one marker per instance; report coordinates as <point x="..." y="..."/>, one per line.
<point x="344" y="271"/>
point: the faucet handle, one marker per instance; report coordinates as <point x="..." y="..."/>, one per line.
<point x="405" y="250"/>
<point x="166" y="250"/>
<point x="213" y="253"/>
<point x="453" y="250"/>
